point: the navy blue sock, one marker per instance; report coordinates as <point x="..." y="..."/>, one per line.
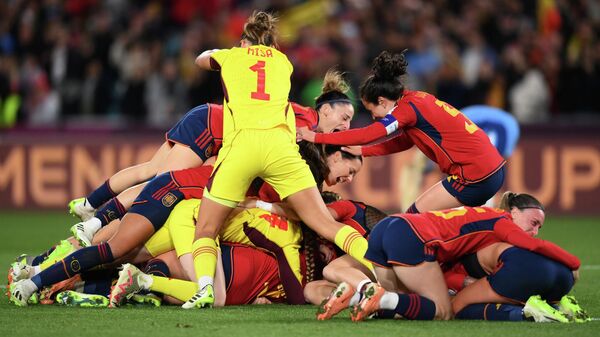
<point x="385" y="314"/>
<point x="413" y="306"/>
<point x="79" y="261"/>
<point x="101" y="195"/>
<point x="157" y="267"/>
<point x="412" y="209"/>
<point x="98" y="281"/>
<point x="40" y="258"/>
<point x="112" y="210"/>
<point x="492" y="312"/>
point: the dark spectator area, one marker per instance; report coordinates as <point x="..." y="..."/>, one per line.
<point x="129" y="64"/>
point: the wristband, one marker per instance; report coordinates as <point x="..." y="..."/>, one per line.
<point x="267" y="206"/>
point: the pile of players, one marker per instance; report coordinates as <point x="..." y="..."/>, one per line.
<point x="252" y="226"/>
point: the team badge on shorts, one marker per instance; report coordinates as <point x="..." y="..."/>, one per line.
<point x="208" y="151"/>
<point x="169" y="199"/>
<point x="75" y="266"/>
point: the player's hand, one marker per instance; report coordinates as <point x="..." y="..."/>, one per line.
<point x="576" y="275"/>
<point x="261" y="300"/>
<point x="355" y="150"/>
<point x="304" y="133"/>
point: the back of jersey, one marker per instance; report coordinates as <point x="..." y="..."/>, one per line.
<point x="256" y="84"/>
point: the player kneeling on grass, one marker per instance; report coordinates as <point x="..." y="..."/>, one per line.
<point x="407" y="249"/>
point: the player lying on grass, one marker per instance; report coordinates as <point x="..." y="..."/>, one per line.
<point x="406" y="250"/>
<point x="147" y="216"/>
<point x="194" y="139"/>
<point x="474" y="167"/>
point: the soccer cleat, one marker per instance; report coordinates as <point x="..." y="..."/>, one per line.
<point x="131" y="281"/>
<point x="337" y="301"/>
<point x="20" y="269"/>
<point x="569" y="306"/>
<point x="82" y="234"/>
<point x="204" y="298"/>
<point x="541" y="311"/>
<point x="146" y="299"/>
<point x="19" y="295"/>
<point x="76" y="299"/>
<point x="48" y="294"/>
<point x="369" y="304"/>
<point x="82" y="209"/>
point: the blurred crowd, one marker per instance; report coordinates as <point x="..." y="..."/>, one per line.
<point x="131" y="63"/>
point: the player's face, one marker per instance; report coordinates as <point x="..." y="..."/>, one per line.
<point x="530" y="220"/>
<point x="335" y="117"/>
<point x="382" y="108"/>
<point x="341" y="170"/>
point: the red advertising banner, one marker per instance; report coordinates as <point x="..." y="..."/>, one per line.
<point x="46" y="170"/>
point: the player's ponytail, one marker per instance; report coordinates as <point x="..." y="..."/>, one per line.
<point x="260" y="29"/>
<point x="385" y="79"/>
<point x="521" y="201"/>
<point x="334" y="90"/>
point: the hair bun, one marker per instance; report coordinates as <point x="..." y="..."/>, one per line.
<point x="388" y="66"/>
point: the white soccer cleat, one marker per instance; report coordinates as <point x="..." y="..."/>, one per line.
<point x="131" y="281"/>
<point x="20" y="293"/>
<point x="81" y="209"/>
<point x="204" y="298"/>
<point x="83" y="235"/>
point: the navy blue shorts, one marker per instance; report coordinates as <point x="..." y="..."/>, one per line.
<point x="193" y="131"/>
<point x="156" y="201"/>
<point x="393" y="242"/>
<point x="523" y="273"/>
<point x="475" y="194"/>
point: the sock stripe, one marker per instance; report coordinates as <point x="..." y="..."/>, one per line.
<point x="350" y="240"/>
<point x="204" y="250"/>
<point x="110" y="189"/>
<point x="418" y="305"/>
<point x="163" y="190"/>
<point x="120" y="207"/>
<point x="64" y="265"/>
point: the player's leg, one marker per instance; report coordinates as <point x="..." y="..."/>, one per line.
<point x="434" y="198"/>
<point x="317" y="291"/>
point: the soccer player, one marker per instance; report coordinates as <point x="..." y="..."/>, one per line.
<point x="201" y="130"/>
<point x="441" y="132"/>
<point x="407" y="249"/>
<point x="259" y="140"/>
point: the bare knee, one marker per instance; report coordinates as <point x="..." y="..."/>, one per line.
<point x="329" y="273"/>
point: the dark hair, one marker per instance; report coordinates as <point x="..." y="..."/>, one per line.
<point x="329" y="197"/>
<point x="260" y="29"/>
<point x="519" y="200"/>
<point x="333" y="91"/>
<point x="385" y="80"/>
<point x="316" y="155"/>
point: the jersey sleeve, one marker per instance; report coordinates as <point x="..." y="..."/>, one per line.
<point x="359" y="136"/>
<point x="219" y="57"/>
<point x="455" y="277"/>
<point x="344" y="209"/>
<point x="398" y="143"/>
<point x="509" y="232"/>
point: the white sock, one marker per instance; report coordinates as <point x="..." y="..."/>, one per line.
<point x="389" y="301"/>
<point x="145" y="281"/>
<point x="362" y="283"/>
<point x="36" y="270"/>
<point x="204" y="281"/>
<point x="29" y="286"/>
<point x="92" y="225"/>
<point x="355" y="299"/>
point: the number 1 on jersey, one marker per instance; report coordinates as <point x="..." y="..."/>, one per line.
<point x="259" y="68"/>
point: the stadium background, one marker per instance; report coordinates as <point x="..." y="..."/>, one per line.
<point x="88" y="87"/>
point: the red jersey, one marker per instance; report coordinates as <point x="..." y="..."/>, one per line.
<point x="191" y="182"/>
<point x="453" y="233"/>
<point x="351" y="213"/>
<point x="215" y="124"/>
<point x="250" y="273"/>
<point x="440" y="131"/>
<point x="305" y="116"/>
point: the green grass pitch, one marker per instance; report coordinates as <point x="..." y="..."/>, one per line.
<point x="31" y="232"/>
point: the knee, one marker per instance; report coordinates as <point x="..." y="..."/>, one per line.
<point x="146" y="171"/>
<point x="329" y="273"/>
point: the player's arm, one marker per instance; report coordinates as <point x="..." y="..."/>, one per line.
<point x="509" y="232"/>
<point x="398" y="143"/>
<point x="456" y="277"/>
<point x="212" y="59"/>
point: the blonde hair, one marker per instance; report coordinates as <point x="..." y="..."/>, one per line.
<point x="334" y="81"/>
<point x="260" y="29"/>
